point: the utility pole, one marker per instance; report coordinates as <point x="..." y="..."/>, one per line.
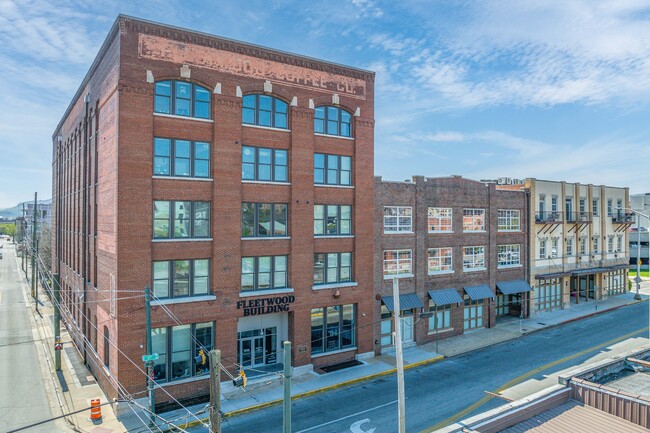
<point x="215" y="390"/>
<point x="36" y="280"/>
<point x="34" y="287"/>
<point x="286" y="412"/>
<point x="149" y="363"/>
<point x="23" y="259"/>
<point x="57" y="320"/>
<point x="637" y="295"/>
<point x="401" y="417"/>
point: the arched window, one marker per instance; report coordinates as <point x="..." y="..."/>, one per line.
<point x="332" y="121"/>
<point x="182" y="99"/>
<point x="107" y="348"/>
<point x="264" y="110"/>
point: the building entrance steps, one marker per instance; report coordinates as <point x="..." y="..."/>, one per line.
<point x="269" y="392"/>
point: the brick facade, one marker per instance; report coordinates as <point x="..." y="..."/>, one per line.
<point x="104" y="191"/>
<point x="458" y="194"/>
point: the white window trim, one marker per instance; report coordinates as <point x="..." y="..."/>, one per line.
<point x="333" y="236"/>
<point x="200" y="179"/>
<point x="175" y="116"/>
<point x="474" y="269"/>
<point x="440" y="232"/>
<point x="184" y="300"/>
<point x="510" y="266"/>
<point x="265" y="238"/>
<point x="334" y="286"/>
<point x="398" y="207"/>
<point x="252" y="293"/>
<point x="451" y="271"/>
<point x="183" y="240"/>
<point x="391" y="276"/>
<point x="400" y="233"/>
<point x="265" y="182"/>
<point x="248" y="125"/>
<point x="318" y="134"/>
<point x="321" y="185"/>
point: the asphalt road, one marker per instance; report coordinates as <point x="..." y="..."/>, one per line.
<point x="23" y="398"/>
<point x="441" y="393"/>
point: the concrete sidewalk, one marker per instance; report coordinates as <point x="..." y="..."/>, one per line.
<point x="77" y="386"/>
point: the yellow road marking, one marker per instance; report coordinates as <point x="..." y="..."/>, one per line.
<point x="523" y="377"/>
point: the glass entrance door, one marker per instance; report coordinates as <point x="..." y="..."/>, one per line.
<point x="251" y="351"/>
<point x="407" y="329"/>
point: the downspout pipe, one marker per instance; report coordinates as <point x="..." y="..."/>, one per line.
<point x="84" y="231"/>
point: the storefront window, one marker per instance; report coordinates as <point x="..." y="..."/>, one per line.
<point x="179" y="350"/>
<point x="332" y="328"/>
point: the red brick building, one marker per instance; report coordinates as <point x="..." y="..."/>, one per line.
<point x="232" y="179"/>
<point x="459" y="250"/>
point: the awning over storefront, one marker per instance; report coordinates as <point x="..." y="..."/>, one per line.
<point x="445" y="297"/>
<point x="513" y="287"/>
<point x="550" y="275"/>
<point x="618" y="267"/>
<point x="479" y="292"/>
<point x="406" y="302"/>
<point x="588" y="271"/>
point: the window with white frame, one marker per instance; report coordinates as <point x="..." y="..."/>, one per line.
<point x="542" y="248"/>
<point x="439" y="219"/>
<point x="569" y="246"/>
<point x="440" y="316"/>
<point x="509" y="220"/>
<point x="397" y="262"/>
<point x="509" y="255"/>
<point x="473" y="220"/>
<point x="473" y="258"/>
<point x="554" y="248"/>
<point x="619" y="243"/>
<point x="440" y="260"/>
<point x="595" y="244"/>
<point x="610" y="244"/>
<point x="594" y="206"/>
<point x="398" y="219"/>
<point x="619" y="204"/>
<point x="554" y="203"/>
<point x="609" y="207"/>
<point x="583" y="245"/>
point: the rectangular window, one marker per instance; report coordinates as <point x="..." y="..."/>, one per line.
<point x="509" y="220"/>
<point x="182" y="351"/>
<point x="594" y="207"/>
<point x="542" y="248"/>
<point x="439" y="219"/>
<point x="333" y="328"/>
<point x="583" y="205"/>
<point x="541" y="204"/>
<point x="440" y="316"/>
<point x="610" y="244"/>
<point x="473" y="220"/>
<point x="263" y="164"/>
<point x="260" y="220"/>
<point x="569" y="246"/>
<point x="181" y="158"/>
<point x="398" y="219"/>
<point x="472" y="314"/>
<point x="609" y="208"/>
<point x="181" y="219"/>
<point x="619" y="205"/>
<point x="554" y="247"/>
<point x="397" y="262"/>
<point x="583" y="245"/>
<point x="619" y="243"/>
<point x="508" y="255"/>
<point x="332" y="268"/>
<point x="180" y="278"/>
<point x="473" y="258"/>
<point x="440" y="260"/>
<point x="332" y="169"/>
<point x="595" y="244"/>
<point x="263" y="273"/>
<point x="332" y="220"/>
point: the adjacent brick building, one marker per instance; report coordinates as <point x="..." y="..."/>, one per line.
<point x="232" y="179"/>
<point x="458" y="248"/>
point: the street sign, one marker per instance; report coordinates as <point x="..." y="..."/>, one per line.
<point x="152" y="357"/>
<point x="639" y="262"/>
<point x="637" y="279"/>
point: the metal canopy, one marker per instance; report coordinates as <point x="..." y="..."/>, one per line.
<point x="588" y="271"/>
<point x="479" y="292"/>
<point x="513" y="287"/>
<point x="406" y="302"/>
<point x="550" y="275"/>
<point x="445" y="297"/>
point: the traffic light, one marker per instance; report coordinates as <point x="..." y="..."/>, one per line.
<point x="240" y="380"/>
<point x="200" y="359"/>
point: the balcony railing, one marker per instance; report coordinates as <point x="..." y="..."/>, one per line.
<point x="578" y="217"/>
<point x="548" y="217"/>
<point x="623" y="218"/>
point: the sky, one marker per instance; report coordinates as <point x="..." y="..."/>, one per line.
<point x="551" y="89"/>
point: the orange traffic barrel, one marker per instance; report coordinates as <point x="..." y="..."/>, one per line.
<point x="95" y="410"/>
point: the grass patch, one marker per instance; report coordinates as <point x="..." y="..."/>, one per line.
<point x="645" y="274"/>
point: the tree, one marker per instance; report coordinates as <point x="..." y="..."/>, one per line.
<point x="8" y="229"/>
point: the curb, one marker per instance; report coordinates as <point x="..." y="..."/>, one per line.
<point x="314" y="391"/>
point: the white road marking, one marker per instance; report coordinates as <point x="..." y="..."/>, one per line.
<point x="346" y="417"/>
<point x="356" y="427"/>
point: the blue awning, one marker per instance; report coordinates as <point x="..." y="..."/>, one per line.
<point x="513" y="287"/>
<point x="406" y="302"/>
<point x="479" y="292"/>
<point x="442" y="297"/>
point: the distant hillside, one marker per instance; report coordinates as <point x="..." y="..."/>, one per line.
<point x="17" y="211"/>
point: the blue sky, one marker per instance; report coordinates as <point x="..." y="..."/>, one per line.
<point x="553" y="89"/>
